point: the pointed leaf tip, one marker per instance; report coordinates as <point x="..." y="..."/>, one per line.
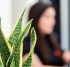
<point x="33" y="30"/>
<point x="23" y="11"/>
<point x="31" y="20"/>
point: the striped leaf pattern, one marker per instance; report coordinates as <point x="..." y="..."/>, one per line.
<point x="28" y="61"/>
<point x="11" y="50"/>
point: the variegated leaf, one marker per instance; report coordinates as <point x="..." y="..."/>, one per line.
<point x="17" y="30"/>
<point x="12" y="63"/>
<point x="14" y="36"/>
<point x="5" y="48"/>
<point x="28" y="60"/>
<point x="17" y="44"/>
<point x="1" y="63"/>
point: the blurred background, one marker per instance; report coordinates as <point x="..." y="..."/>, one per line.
<point x="10" y="10"/>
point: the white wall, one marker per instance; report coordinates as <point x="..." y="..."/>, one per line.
<point x="64" y="24"/>
<point x="10" y="10"/>
<point x="6" y="15"/>
<point x="18" y="7"/>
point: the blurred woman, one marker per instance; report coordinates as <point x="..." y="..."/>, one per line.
<point x="47" y="48"/>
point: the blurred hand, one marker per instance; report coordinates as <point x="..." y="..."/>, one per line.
<point x="66" y="56"/>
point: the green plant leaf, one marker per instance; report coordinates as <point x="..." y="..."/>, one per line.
<point x="12" y="63"/>
<point x="17" y="30"/>
<point x="21" y="54"/>
<point x="17" y="51"/>
<point x="18" y="43"/>
<point x="5" y="48"/>
<point x="14" y="36"/>
<point x="28" y="60"/>
<point x="10" y="59"/>
<point x="1" y="63"/>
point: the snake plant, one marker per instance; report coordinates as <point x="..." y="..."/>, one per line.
<point x="11" y="49"/>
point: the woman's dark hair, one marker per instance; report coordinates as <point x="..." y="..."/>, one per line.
<point x="37" y="10"/>
<point x="41" y="48"/>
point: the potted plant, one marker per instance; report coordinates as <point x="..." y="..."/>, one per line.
<point x="11" y="49"/>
